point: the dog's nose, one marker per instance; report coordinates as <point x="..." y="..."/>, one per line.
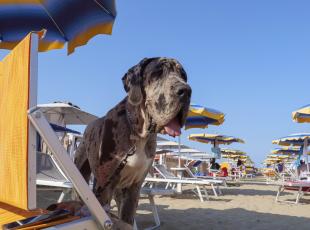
<point x="184" y="91"/>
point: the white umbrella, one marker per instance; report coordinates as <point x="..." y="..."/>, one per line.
<point x="169" y="145"/>
<point x="62" y="113"/>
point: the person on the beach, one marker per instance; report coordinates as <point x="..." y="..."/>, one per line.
<point x="239" y="163"/>
<point x="280" y="167"/>
<point x="302" y="169"/>
<point x="214" y="165"/>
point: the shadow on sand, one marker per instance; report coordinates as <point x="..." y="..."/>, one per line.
<point x="251" y="192"/>
<point x="211" y="219"/>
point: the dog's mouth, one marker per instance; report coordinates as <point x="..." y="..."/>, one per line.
<point x="173" y="127"/>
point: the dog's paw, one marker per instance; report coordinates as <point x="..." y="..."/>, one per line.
<point x="74" y="207"/>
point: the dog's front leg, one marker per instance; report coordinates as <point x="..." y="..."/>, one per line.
<point x="127" y="202"/>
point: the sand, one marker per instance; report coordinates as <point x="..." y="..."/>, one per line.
<point x="247" y="206"/>
<point x="244" y="207"/>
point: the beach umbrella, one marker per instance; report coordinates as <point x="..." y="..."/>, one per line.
<point x="299" y="139"/>
<point x="169" y="145"/>
<point x="215" y="139"/>
<point x="200" y="117"/>
<point x="302" y="115"/>
<point x="278" y="157"/>
<point x="287" y="150"/>
<point x="66" y="113"/>
<point x="232" y="152"/>
<point x="231" y="156"/>
<point x="67" y="21"/>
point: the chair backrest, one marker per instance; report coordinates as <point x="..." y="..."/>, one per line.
<point x="49" y="173"/>
<point x="163" y="171"/>
<point x="189" y="172"/>
<point x="18" y="87"/>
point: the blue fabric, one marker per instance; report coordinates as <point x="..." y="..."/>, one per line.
<point x="197" y="163"/>
<point x="72" y="18"/>
<point x="58" y="128"/>
<point x="199" y="174"/>
<point x="198" y="121"/>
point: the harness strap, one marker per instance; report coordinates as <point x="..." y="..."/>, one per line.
<point x="117" y="171"/>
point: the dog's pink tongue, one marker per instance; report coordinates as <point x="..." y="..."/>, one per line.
<point x="173" y="128"/>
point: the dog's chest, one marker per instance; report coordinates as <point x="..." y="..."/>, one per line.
<point x="136" y="167"/>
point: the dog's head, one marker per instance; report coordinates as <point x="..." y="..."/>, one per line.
<point x="161" y="84"/>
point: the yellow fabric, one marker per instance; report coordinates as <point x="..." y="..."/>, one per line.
<point x="205" y="113"/>
<point x="225" y="165"/>
<point x="84" y="37"/>
<point x="14" y="80"/>
<point x="232" y="152"/>
<point x="301" y="119"/>
<point x="211" y="138"/>
<point x="79" y="40"/>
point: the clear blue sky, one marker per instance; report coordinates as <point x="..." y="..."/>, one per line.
<point x="249" y="59"/>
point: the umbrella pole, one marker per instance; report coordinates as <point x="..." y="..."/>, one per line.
<point x="179" y="160"/>
<point x="305" y="153"/>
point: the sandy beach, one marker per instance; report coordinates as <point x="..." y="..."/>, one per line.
<point x="248" y="206"/>
<point x="244" y="207"/>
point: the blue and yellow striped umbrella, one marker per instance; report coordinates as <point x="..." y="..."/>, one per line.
<point x="297" y="139"/>
<point x="73" y="22"/>
<point x="215" y="139"/>
<point x="233" y="152"/>
<point x="285" y="150"/>
<point x="302" y="115"/>
<point x="200" y="117"/>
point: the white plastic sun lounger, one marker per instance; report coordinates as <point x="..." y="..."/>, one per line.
<point x="162" y="170"/>
<point x="299" y="186"/>
<point x="50" y="176"/>
<point x="150" y="193"/>
<point x="192" y="175"/>
<point x="198" y="185"/>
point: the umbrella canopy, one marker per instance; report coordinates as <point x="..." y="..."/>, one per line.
<point x="200" y="117"/>
<point x="232" y="152"/>
<point x="73" y="22"/>
<point x="169" y="145"/>
<point x="62" y="113"/>
<point x="297" y="139"/>
<point x="231" y="156"/>
<point x="286" y="150"/>
<point x="279" y="157"/>
<point x="302" y="115"/>
<point x="214" y="139"/>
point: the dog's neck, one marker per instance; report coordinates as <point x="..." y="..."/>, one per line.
<point x="139" y="120"/>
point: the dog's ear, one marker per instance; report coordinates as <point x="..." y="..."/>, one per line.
<point x="133" y="80"/>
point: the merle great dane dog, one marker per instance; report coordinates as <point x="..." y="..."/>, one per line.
<point x="119" y="148"/>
